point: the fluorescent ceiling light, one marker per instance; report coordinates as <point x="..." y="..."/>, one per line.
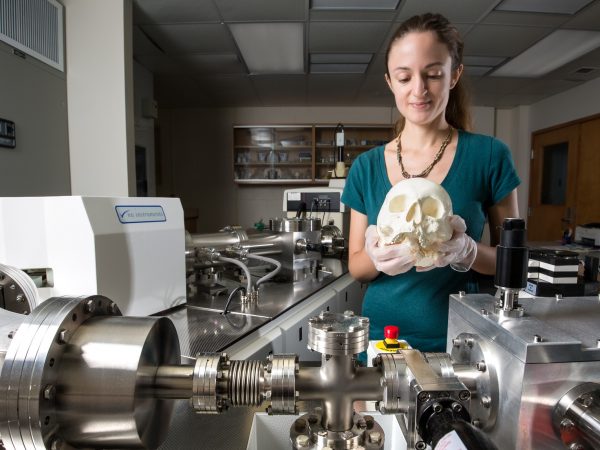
<point x="338" y="68"/>
<point x="344" y="58"/>
<point x="543" y="6"/>
<point x="354" y="4"/>
<point x="555" y="50"/>
<point x="271" y="47"/>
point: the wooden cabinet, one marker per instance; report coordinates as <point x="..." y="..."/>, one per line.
<point x="358" y="139"/>
<point x="298" y="154"/>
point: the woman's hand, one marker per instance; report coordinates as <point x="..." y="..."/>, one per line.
<point x="459" y="252"/>
<point x="390" y="259"/>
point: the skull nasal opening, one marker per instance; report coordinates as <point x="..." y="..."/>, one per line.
<point x="414" y="213"/>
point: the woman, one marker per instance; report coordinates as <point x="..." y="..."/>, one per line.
<point x="424" y="68"/>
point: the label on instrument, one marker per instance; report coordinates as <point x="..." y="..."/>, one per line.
<point x="140" y="213"/>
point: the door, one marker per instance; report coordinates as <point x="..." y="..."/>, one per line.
<point x="587" y="207"/>
<point x="553" y="183"/>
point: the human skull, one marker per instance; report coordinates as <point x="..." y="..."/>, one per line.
<point x="416" y="210"/>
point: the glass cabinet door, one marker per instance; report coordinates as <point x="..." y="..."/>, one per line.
<point x="358" y="139"/>
<point x="277" y="154"/>
<point x="297" y="154"/>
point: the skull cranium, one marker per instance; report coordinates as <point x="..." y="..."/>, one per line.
<point x="416" y="210"/>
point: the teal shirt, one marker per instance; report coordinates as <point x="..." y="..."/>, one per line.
<point x="482" y="173"/>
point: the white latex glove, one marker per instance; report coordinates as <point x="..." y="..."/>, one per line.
<point x="390" y="259"/>
<point x="459" y="252"/>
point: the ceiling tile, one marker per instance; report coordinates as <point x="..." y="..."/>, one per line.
<point x="362" y="5"/>
<point x="591" y="59"/>
<point x="477" y="71"/>
<point x="354" y="16"/>
<point x="377" y="67"/>
<point x="547" y="87"/>
<point x="231" y="82"/>
<point x="212" y="64"/>
<point x="467" y="11"/>
<point x="192" y="38"/>
<point x="543" y="6"/>
<point x="525" y="19"/>
<point x="160" y="63"/>
<point x="377" y="87"/>
<point x="174" y="11"/>
<point x="338" y="68"/>
<point x="333" y="58"/>
<point x="347" y="36"/>
<point x="338" y="89"/>
<point x="262" y="10"/>
<point x="500" y="85"/>
<point x="497" y="40"/>
<point x="586" y="19"/>
<point x="473" y="60"/>
<point x="268" y="48"/>
<point x="195" y="61"/>
<point x="280" y="90"/>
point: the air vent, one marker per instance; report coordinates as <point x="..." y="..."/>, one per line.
<point x="583" y="74"/>
<point x="35" y="27"/>
<point x="584" y="70"/>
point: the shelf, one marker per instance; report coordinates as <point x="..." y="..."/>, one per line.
<point x="272" y="164"/>
<point x="258" y="151"/>
<point x="269" y="147"/>
<point x="274" y="181"/>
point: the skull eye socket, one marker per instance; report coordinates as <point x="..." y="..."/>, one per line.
<point x="398" y="204"/>
<point x="432" y="207"/>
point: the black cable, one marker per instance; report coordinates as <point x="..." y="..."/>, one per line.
<point x="239" y="288"/>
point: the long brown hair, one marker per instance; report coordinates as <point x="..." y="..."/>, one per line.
<point x="458" y="112"/>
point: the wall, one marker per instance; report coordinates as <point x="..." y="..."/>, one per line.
<point x="196" y="157"/>
<point x="512" y="126"/>
<point x="581" y="101"/>
<point x="143" y="82"/>
<point x="100" y="85"/>
<point x="34" y="96"/>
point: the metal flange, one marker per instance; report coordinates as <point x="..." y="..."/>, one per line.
<point x="31" y="368"/>
<point x="338" y="334"/>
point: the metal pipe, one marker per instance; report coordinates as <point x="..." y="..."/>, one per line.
<point x="263" y="243"/>
<point x="215" y="240"/>
<point x="173" y="382"/>
<point x="338" y="383"/>
<point x="468" y="375"/>
<point x="587" y="421"/>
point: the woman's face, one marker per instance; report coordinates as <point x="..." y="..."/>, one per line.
<point x="421" y="76"/>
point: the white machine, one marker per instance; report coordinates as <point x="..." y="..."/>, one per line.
<point x="130" y="249"/>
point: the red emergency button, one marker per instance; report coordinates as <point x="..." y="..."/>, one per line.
<point x="390" y="332"/>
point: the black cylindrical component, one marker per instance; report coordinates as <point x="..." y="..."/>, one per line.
<point x="513" y="233"/>
<point x="446" y="427"/>
<point x="512" y="255"/>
